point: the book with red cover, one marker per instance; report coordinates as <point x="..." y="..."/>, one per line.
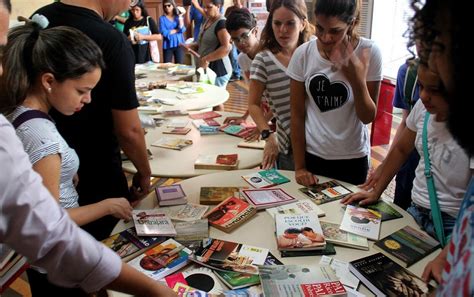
<point x="205" y="115"/>
<point x="230" y="213"/>
<point x="220" y="162"/>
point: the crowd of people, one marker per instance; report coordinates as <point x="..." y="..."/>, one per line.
<point x="67" y="119"/>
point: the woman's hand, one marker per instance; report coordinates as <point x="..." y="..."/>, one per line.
<point x="203" y="62"/>
<point x="363" y="197"/>
<point x="270" y="152"/>
<point x="118" y="207"/>
<point x="355" y="68"/>
<point x="305" y="178"/>
<point x="373" y="178"/>
<point x="434" y="268"/>
<point x="234" y="120"/>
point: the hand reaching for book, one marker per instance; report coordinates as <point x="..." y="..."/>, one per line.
<point x="118" y="207"/>
<point x="305" y="178"/>
<point x="372" y="179"/>
<point x="434" y="268"/>
<point x="363" y="197"/>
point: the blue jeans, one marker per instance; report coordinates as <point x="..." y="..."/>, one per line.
<point x="424" y="219"/>
<point x="222" y="81"/>
<point x="177" y="52"/>
<point x="233" y="60"/>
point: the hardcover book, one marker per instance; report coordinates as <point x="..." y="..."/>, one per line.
<point x="230" y="213"/>
<point x="205" y="115"/>
<point x="384" y="277"/>
<point x="300" y="281"/>
<point x="256" y="144"/>
<point x="266" y="198"/>
<point x="326" y="192"/>
<point x="299" y="232"/>
<point x="172" y="143"/>
<point x="231" y="256"/>
<point x="301" y="206"/>
<point x="407" y="246"/>
<point x="215" y="195"/>
<point x="265" y="178"/>
<point x="128" y="244"/>
<point x="361" y="221"/>
<point x="386" y="210"/>
<point x="177" y="131"/>
<point x="162" y="260"/>
<point x="170" y="195"/>
<point x="152" y="222"/>
<point x="221" y="161"/>
<point x="334" y="235"/>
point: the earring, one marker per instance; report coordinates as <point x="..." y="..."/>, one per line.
<point x="49" y="90"/>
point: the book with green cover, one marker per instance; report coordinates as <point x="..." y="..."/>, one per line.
<point x="386" y="210"/>
<point x="407" y="246"/>
<point x="328" y="250"/>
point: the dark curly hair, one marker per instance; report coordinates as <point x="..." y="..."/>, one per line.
<point x="240" y="18"/>
<point x="452" y="16"/>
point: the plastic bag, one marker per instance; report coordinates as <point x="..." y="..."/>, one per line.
<point x="207" y="75"/>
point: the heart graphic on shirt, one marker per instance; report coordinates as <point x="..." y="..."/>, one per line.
<point x="326" y="94"/>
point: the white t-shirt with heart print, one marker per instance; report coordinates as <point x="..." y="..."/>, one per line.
<point x="333" y="130"/>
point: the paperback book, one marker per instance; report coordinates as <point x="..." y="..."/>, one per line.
<point x="361" y="221"/>
<point x="177" y="123"/>
<point x="300" y="206"/>
<point x="266" y="198"/>
<point x="174" y="113"/>
<point x="152" y="222"/>
<point x="407" y="246"/>
<point x="231" y="256"/>
<point x="215" y="195"/>
<point x="177" y="131"/>
<point x="172" y="143"/>
<point x="327" y="251"/>
<point x="299" y="232"/>
<point x="205" y="115"/>
<point x="128" y="244"/>
<point x="384" y="277"/>
<point x="236" y="130"/>
<point x="256" y="144"/>
<point x="326" y="192"/>
<point x="230" y="213"/>
<point x="335" y="235"/>
<point x="187" y="212"/>
<point x="202" y="279"/>
<point x="170" y="195"/>
<point x="386" y="210"/>
<point x="220" y="162"/>
<point x="300" y="281"/>
<point x="265" y="178"/>
<point x="162" y="260"/>
<point x="191" y="232"/>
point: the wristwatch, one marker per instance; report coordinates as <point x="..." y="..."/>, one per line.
<point x="265" y="134"/>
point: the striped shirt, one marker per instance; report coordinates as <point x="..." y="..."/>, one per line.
<point x="40" y="139"/>
<point x="272" y="74"/>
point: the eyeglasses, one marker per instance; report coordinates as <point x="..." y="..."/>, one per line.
<point x="243" y="37"/>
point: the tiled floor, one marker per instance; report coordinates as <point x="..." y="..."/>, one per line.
<point x="237" y="103"/>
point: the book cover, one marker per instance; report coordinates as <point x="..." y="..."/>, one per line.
<point x="177" y="131"/>
<point x="127" y="243"/>
<point x="174" y="113"/>
<point x="204" y="115"/>
<point x="230" y="213"/>
<point x="361" y="221"/>
<point x="169" y="192"/>
<point x="326" y="192"/>
<point x="407" y="246"/>
<point x="333" y="234"/>
<point x="265" y="178"/>
<point x="256" y="144"/>
<point x="300" y="281"/>
<point x="254" y="291"/>
<point x="177" y="123"/>
<point x="192" y="231"/>
<point x="220" y="161"/>
<point x="152" y="222"/>
<point x="205" y="280"/>
<point x="236" y="130"/>
<point x="301" y="206"/>
<point x="212" y="123"/>
<point x="328" y="250"/>
<point x="6" y="254"/>
<point x="172" y="143"/>
<point x="299" y="232"/>
<point x="162" y="260"/>
<point x="384" y="277"/>
<point x="187" y="212"/>
<point x="266" y="198"/>
<point x="231" y="256"/>
<point x="215" y="195"/>
<point x="386" y="210"/>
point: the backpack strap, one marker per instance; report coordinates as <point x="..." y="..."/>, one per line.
<point x="435" y="211"/>
<point x="28" y="115"/>
<point x="409" y="86"/>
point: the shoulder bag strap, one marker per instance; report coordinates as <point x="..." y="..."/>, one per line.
<point x="28" y="115"/>
<point x="435" y="211"/>
<point x="409" y="87"/>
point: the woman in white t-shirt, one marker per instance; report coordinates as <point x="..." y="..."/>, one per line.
<point x="449" y="162"/>
<point x="335" y="81"/>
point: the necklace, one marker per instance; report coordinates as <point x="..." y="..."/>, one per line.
<point x="334" y="68"/>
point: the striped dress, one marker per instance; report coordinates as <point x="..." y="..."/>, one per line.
<point x="272" y="74"/>
<point x="40" y="139"/>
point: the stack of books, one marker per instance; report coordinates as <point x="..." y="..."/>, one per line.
<point x="170" y="195"/>
<point x="152" y="222"/>
<point x="12" y="265"/>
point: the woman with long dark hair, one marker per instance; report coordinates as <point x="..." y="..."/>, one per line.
<point x="172" y="28"/>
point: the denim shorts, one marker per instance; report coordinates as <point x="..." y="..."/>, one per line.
<point x="424" y="219"/>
